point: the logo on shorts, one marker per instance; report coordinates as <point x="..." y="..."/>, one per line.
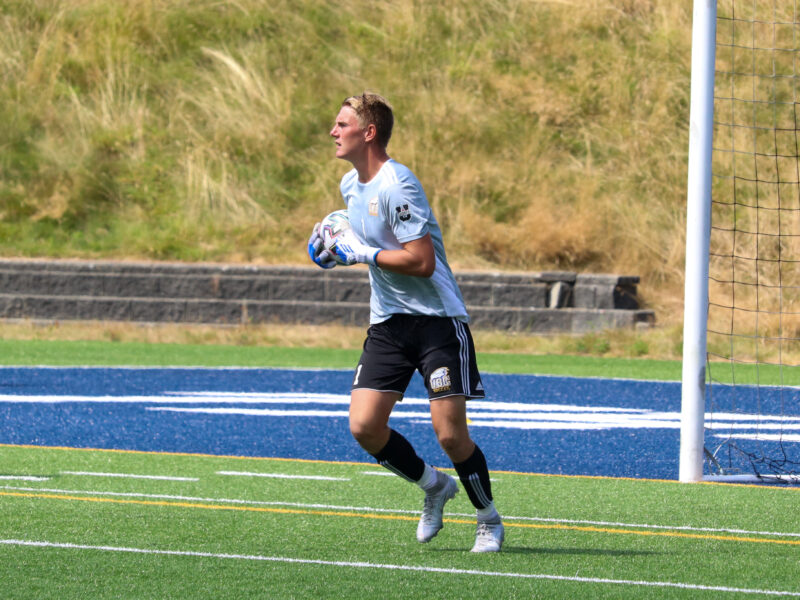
<point x="440" y="380"/>
<point x="403" y="212"/>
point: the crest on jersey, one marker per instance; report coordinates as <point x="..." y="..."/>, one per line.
<point x="440" y="380"/>
<point x="403" y="212"/>
<point x="373" y="207"/>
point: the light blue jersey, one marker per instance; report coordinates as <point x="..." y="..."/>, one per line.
<point x="387" y="212"/>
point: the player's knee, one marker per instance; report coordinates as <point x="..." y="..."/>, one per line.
<point x="450" y="442"/>
<point x="456" y="446"/>
<point x="364" y="432"/>
<point x="357" y="429"/>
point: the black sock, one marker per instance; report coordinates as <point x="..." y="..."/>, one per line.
<point x="474" y="475"/>
<point x="398" y="456"/>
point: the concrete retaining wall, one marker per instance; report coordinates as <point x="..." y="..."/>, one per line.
<point x="231" y="294"/>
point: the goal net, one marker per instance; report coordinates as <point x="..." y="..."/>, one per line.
<point x="752" y="419"/>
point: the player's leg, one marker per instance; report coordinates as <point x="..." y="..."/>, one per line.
<point x="369" y="416"/>
<point x="379" y="382"/>
<point x="449" y="417"/>
<point x="381" y="378"/>
<point x="369" y="425"/>
<point x="451" y="376"/>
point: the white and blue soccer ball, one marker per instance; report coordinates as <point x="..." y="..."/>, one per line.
<point x="331" y="227"/>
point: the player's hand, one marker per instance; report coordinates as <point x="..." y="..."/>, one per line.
<point x="316" y="253"/>
<point x="350" y="251"/>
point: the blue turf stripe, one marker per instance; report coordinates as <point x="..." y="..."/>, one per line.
<point x="617" y="452"/>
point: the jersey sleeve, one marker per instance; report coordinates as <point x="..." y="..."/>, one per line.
<point x="407" y="211"/>
<point x="346" y="184"/>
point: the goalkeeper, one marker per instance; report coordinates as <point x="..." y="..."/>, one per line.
<point x="417" y="320"/>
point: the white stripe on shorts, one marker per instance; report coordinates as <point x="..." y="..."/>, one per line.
<point x="463" y="356"/>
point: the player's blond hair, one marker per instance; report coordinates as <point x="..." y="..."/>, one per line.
<point x="373" y="109"/>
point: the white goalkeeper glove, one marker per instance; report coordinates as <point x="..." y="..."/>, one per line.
<point x="350" y="251"/>
<point x="317" y="253"/>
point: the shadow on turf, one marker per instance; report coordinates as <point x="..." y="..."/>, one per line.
<point x="592" y="551"/>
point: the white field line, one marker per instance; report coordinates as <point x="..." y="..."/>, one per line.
<point x="290" y="398"/>
<point x="344" y="399"/>
<point x="498" y="409"/>
<point x="492" y="414"/>
<point x="764" y="437"/>
<point x="399" y="511"/>
<point x="393" y="567"/>
<point x="129" y="476"/>
<point x="282" y="476"/>
<point x="23" y="478"/>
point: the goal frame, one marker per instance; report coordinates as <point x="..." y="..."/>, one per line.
<point x="698" y="234"/>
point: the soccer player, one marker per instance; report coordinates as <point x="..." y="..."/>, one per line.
<point x="417" y="320"/>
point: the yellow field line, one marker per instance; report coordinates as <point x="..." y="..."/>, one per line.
<point x="334" y="513"/>
<point x="189" y="454"/>
<point x="339" y="462"/>
<point x="291" y="511"/>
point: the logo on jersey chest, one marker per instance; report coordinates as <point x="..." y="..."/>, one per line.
<point x="372" y="207"/>
<point x="440" y="380"/>
<point x="403" y="212"/>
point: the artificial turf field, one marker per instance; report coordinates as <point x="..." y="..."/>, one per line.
<point x="113" y="524"/>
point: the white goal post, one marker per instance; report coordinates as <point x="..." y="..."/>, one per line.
<point x="740" y="412"/>
<point x="698" y="229"/>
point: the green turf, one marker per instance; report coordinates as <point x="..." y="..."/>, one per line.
<point x="61" y="353"/>
<point x="234" y="536"/>
<point x="602" y="529"/>
<point x="77" y="353"/>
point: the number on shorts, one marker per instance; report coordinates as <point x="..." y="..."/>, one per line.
<point x="358" y="372"/>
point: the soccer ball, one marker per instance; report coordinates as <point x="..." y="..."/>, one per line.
<point x="331" y="227"/>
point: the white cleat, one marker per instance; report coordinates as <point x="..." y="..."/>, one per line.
<point x="489" y="537"/>
<point x="431" y="520"/>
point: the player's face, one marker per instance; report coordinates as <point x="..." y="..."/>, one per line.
<point x="348" y="134"/>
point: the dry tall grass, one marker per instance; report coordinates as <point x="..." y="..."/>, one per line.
<point x="755" y="289"/>
<point x="658" y="343"/>
<point x="548" y="135"/>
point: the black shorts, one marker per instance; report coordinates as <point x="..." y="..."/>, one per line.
<point x="441" y="348"/>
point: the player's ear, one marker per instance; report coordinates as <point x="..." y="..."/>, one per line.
<point x="370" y="132"/>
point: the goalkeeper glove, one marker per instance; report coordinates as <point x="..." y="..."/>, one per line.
<point x="316" y="253"/>
<point x="350" y="251"/>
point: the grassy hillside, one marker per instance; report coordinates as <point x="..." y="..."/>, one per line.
<point x="548" y="135"/>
